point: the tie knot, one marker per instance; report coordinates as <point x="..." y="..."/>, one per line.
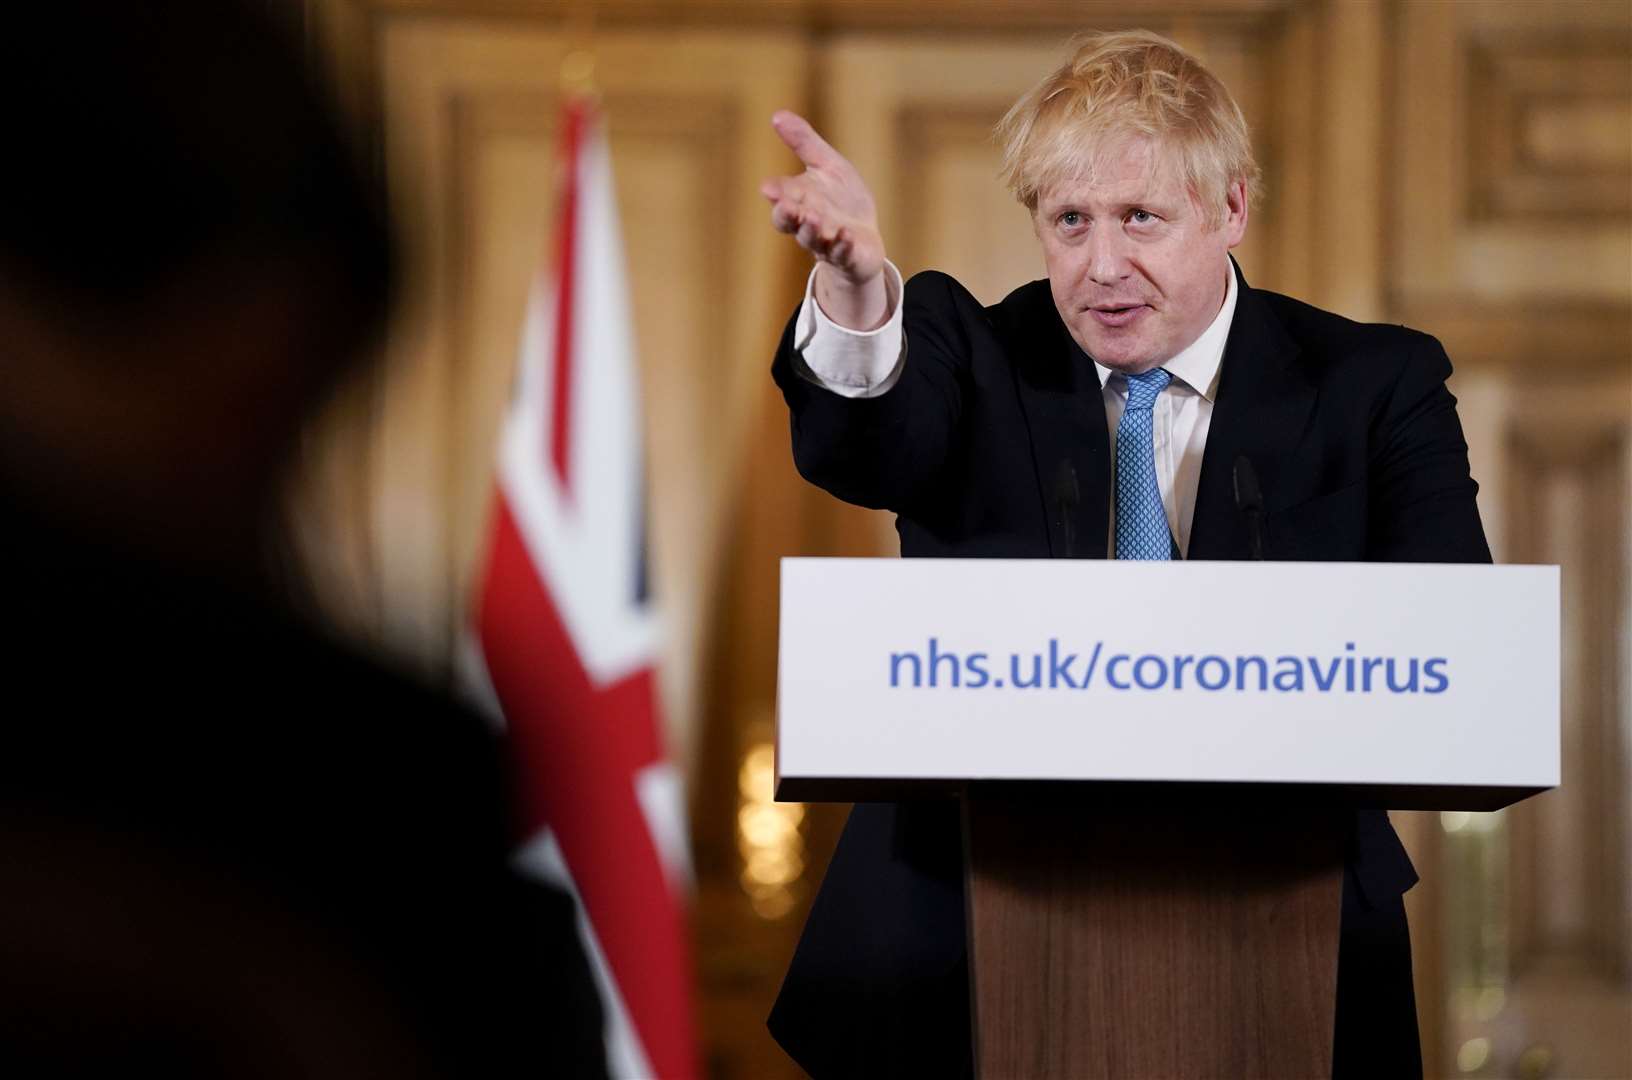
<point x="1143" y="388"/>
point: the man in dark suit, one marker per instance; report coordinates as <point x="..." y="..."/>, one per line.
<point x="1139" y="372"/>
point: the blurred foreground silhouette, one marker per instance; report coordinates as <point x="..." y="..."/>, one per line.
<point x="228" y="846"/>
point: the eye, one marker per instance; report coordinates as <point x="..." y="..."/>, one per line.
<point x="1070" y="219"/>
<point x="1141" y="217"/>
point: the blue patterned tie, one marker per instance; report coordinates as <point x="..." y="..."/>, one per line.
<point x="1141" y="523"/>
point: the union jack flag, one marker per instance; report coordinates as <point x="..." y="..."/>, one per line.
<point x="568" y="637"/>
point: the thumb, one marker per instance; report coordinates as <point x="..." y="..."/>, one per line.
<point x="802" y="139"/>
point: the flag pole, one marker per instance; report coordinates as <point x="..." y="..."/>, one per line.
<point x="578" y="65"/>
<point x="578" y="74"/>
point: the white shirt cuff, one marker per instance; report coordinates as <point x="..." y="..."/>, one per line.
<point x="851" y="363"/>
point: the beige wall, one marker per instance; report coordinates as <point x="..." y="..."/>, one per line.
<point x="1464" y="167"/>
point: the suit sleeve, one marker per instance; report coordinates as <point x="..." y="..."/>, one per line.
<point x="1423" y="505"/>
<point x="881" y="452"/>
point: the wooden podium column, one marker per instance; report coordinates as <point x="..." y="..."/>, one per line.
<point x="1120" y="942"/>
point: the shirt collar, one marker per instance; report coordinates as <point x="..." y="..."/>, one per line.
<point x="1198" y="363"/>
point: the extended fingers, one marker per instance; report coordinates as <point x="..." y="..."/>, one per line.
<point x="803" y="207"/>
<point x="795" y="131"/>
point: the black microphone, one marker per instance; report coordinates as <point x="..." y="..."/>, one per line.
<point x="1066" y="498"/>
<point x="1249" y="499"/>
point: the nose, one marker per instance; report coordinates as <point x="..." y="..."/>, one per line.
<point x="1107" y="256"/>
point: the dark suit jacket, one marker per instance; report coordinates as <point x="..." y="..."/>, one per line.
<point x="1356" y="443"/>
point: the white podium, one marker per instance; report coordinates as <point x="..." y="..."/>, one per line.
<point x="1405" y="686"/>
<point x="1158" y="764"/>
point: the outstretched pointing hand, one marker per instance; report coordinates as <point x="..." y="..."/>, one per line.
<point x="829" y="211"/>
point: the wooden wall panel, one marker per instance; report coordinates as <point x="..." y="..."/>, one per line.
<point x="1512" y="241"/>
<point x="1484" y="209"/>
<point x="469" y="117"/>
<point x="1566" y="939"/>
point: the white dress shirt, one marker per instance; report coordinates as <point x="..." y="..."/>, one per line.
<point x="861" y="364"/>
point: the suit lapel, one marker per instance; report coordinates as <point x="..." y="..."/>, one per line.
<point x="1260" y="412"/>
<point x="1064" y="410"/>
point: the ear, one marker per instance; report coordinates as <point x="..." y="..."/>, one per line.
<point x="1235" y="213"/>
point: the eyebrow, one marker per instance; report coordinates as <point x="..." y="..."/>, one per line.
<point x="1166" y="209"/>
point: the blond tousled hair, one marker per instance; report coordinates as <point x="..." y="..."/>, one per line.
<point x="1123" y="85"/>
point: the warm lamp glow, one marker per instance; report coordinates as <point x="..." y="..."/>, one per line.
<point x="768" y="836"/>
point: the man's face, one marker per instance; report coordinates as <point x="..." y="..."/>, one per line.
<point x="1136" y="273"/>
